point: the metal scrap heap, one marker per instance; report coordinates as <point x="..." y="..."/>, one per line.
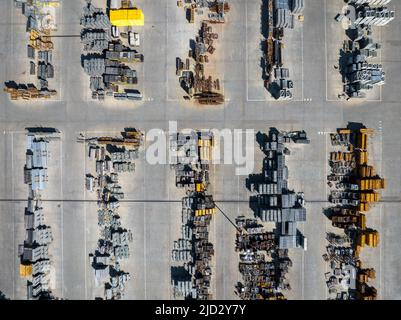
<point x="113" y="156"/>
<point x="354" y="184"/>
<point x="217" y="9"/>
<point x="40" y="16"/>
<point x="263" y="278"/>
<point x="193" y="156"/>
<point x="274" y="202"/>
<point x="359" y="75"/>
<point x="34" y="252"/>
<point x="108" y="61"/>
<point x="281" y="16"/>
<point x="193" y="79"/>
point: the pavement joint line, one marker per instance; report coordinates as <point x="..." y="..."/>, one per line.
<point x="247" y="66"/>
<point x="326" y="62"/>
<point x="246" y="51"/>
<point x="62" y="217"/>
<point x="13" y="191"/>
<point x="325" y="47"/>
<point x="173" y="201"/>
<point x="380" y="208"/>
<point x="144" y="233"/>
<point x="325" y="219"/>
<point x="302" y="59"/>
<point x="85" y="240"/>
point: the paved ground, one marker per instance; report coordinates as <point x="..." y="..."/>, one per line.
<point x="156" y="225"/>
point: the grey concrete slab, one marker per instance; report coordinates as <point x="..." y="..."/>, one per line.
<point x="156" y="225"/>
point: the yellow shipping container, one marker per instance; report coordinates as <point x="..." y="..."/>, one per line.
<point x="127" y="17"/>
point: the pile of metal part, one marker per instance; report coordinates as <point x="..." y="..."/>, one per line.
<point x="108" y="61"/>
<point x="342" y="276"/>
<point x="40" y="16"/>
<point x="274" y="202"/>
<point x="281" y="16"/>
<point x="263" y="279"/>
<point x="112" y="156"/>
<point x="34" y="253"/>
<point x="217" y="9"/>
<point x="204" y="89"/>
<point x="192" y="157"/>
<point x="266" y="278"/>
<point x="353" y="186"/>
<point x="359" y="75"/>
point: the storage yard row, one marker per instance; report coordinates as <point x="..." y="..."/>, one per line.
<point x="264" y="252"/>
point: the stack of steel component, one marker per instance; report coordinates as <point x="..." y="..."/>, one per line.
<point x="263" y="279"/>
<point x="34" y="253"/>
<point x="204" y="89"/>
<point x="273" y="202"/>
<point x="354" y="184"/>
<point x="108" y="59"/>
<point x="112" y="155"/>
<point x="360" y="76"/>
<point x="281" y="16"/>
<point x="40" y="24"/>
<point x="193" y="155"/>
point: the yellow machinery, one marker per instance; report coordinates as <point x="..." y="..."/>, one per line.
<point x="204" y="212"/>
<point x="25" y="270"/>
<point x="127" y="17"/>
<point x="199" y="187"/>
<point x="369" y="238"/>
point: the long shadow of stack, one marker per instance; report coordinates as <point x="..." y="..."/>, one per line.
<point x="180" y="274"/>
<point x="264" y="30"/>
